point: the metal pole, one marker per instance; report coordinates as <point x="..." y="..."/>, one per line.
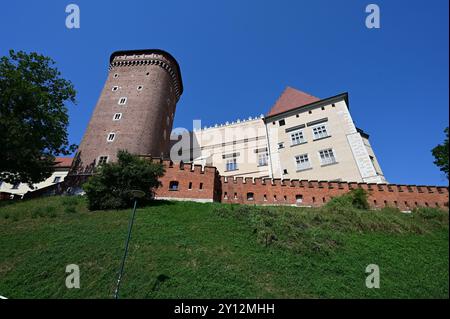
<point x="130" y="225"/>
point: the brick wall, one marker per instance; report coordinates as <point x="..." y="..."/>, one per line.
<point x="194" y="182"/>
<point x="206" y="185"/>
<point x="316" y="193"/>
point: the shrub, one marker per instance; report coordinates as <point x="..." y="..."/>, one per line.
<point x="109" y="187"/>
<point x="356" y="199"/>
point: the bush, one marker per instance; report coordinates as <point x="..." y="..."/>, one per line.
<point x="356" y="198"/>
<point x="109" y="187"/>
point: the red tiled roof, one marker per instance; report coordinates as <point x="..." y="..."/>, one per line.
<point x="63" y="161"/>
<point x="290" y="99"/>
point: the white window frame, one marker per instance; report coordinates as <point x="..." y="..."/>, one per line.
<point x="231" y="162"/>
<point x="327" y="160"/>
<point x="100" y="157"/>
<point x="108" y="139"/>
<point x="263" y="159"/>
<point x="115" y="88"/>
<point x="117" y="119"/>
<point x="122" y="98"/>
<point x="320" y="133"/>
<point x="299" y="163"/>
<point x="297" y="137"/>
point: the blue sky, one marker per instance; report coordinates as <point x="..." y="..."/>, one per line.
<point x="236" y="58"/>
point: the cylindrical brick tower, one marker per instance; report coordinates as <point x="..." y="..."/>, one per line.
<point x="135" y="110"/>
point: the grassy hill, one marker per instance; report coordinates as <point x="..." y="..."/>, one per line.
<point x="191" y="250"/>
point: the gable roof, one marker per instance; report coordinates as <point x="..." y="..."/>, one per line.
<point x="290" y="99"/>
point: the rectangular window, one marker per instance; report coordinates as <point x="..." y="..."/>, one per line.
<point x="327" y="157"/>
<point x="56" y="179"/>
<point x="280" y="145"/>
<point x="111" y="137"/>
<point x="302" y="162"/>
<point x="263" y="159"/>
<point x="117" y="116"/>
<point x="122" y="101"/>
<point x="281" y="122"/>
<point x="320" y="131"/>
<point x="102" y="160"/>
<point x="173" y="186"/>
<point x="297" y="137"/>
<point x="231" y="164"/>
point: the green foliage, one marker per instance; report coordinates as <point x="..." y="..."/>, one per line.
<point x="320" y="230"/>
<point x="33" y="116"/>
<point x="110" y="186"/>
<point x="440" y="153"/>
<point x="356" y="198"/>
<point x="185" y="250"/>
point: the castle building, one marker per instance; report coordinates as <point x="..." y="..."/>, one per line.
<point x="301" y="137"/>
<point x="135" y="110"/>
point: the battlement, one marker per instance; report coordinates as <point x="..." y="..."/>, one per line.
<point x="203" y="183"/>
<point x="238" y="121"/>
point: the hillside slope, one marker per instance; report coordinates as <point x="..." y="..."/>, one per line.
<point x="190" y="250"/>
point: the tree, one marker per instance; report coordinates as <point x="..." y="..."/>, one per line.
<point x="440" y="154"/>
<point x="33" y="117"/>
<point x="109" y="187"/>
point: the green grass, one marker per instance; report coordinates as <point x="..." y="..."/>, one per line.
<point x="191" y="250"/>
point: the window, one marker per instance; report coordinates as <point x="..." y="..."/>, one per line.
<point x="235" y="195"/>
<point x="263" y="159"/>
<point x="122" y="101"/>
<point x="265" y="197"/>
<point x="15" y="186"/>
<point x="323" y="108"/>
<point x="225" y="195"/>
<point x="57" y="179"/>
<point x="116" y="75"/>
<point x="231" y="165"/>
<point x="173" y="186"/>
<point x="327" y="157"/>
<point x="201" y="186"/>
<point x="281" y="122"/>
<point x="302" y="162"/>
<point x="285" y="171"/>
<point x="297" y="138"/>
<point x="190" y="185"/>
<point x="320" y="131"/>
<point x="111" y="137"/>
<point x="117" y="116"/>
<point x="250" y="196"/>
<point x="115" y="88"/>
<point x="299" y="199"/>
<point x="140" y="87"/>
<point x="280" y="145"/>
<point x="102" y="160"/>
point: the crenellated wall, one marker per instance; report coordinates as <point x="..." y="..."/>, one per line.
<point x="195" y="182"/>
<point x="206" y="185"/>
<point x="316" y="193"/>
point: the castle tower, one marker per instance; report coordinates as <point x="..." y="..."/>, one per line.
<point x="135" y="110"/>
